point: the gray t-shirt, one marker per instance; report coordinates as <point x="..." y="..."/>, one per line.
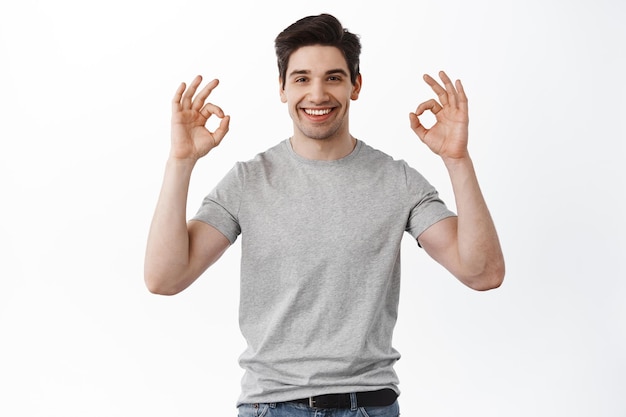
<point x="320" y="266"/>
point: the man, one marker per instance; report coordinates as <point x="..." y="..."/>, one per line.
<point x="321" y="217"/>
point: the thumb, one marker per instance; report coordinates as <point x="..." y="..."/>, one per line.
<point x="417" y="126"/>
<point x="221" y="130"/>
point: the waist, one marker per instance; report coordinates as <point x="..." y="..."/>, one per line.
<point x="379" y="398"/>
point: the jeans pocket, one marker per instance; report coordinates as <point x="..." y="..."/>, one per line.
<point x="392" y="410"/>
<point x="252" y="410"/>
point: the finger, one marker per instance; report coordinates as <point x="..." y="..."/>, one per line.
<point x="177" y="96"/>
<point x="198" y="102"/>
<point x="462" y="96"/>
<point x="438" y="89"/>
<point x="210" y="109"/>
<point x="450" y="90"/>
<point x="188" y="95"/>
<point x="417" y="126"/>
<point x="431" y="105"/>
<point x="221" y="130"/>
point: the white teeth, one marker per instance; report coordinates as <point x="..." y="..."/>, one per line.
<point x="316" y="112"/>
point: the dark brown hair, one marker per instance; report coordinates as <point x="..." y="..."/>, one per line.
<point x="324" y="30"/>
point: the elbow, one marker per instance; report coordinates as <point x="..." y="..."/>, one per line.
<point x="486" y="283"/>
<point x="167" y="279"/>
<point x="158" y="285"/>
<point x="159" y="289"/>
<point x="491" y="278"/>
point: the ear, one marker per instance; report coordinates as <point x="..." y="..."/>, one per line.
<point x="356" y="88"/>
<point x="281" y="90"/>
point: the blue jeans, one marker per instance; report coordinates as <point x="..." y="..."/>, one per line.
<point x="301" y="410"/>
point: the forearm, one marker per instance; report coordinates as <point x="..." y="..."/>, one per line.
<point x="480" y="259"/>
<point x="167" y="250"/>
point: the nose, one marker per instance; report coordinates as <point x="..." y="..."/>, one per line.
<point x="317" y="93"/>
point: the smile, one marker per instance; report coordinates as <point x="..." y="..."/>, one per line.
<point x="317" y="112"/>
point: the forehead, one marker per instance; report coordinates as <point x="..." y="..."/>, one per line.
<point x="316" y="58"/>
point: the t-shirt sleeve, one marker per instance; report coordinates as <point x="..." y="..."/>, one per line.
<point x="428" y="208"/>
<point x="220" y="208"/>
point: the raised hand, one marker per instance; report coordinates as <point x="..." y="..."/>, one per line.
<point x="190" y="137"/>
<point x="448" y="136"/>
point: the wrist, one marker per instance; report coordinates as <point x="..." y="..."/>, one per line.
<point x="457" y="161"/>
<point x="180" y="164"/>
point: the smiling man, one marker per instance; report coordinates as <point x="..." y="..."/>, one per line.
<point x="321" y="217"/>
<point x="318" y="90"/>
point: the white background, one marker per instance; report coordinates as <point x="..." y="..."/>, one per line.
<point x="85" y="91"/>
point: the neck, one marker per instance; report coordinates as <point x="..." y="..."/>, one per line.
<point x="323" y="149"/>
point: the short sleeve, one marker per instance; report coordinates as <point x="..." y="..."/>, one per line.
<point x="220" y="208"/>
<point x="427" y="207"/>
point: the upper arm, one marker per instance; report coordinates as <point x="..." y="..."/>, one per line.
<point x="478" y="270"/>
<point x="206" y="245"/>
<point x="440" y="242"/>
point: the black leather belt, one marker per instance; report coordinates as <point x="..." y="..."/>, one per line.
<point x="380" y="398"/>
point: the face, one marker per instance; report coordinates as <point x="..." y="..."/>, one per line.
<point x="318" y="91"/>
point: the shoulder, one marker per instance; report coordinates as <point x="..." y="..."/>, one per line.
<point x="270" y="155"/>
<point x="397" y="169"/>
<point x="373" y="157"/>
<point x="260" y="168"/>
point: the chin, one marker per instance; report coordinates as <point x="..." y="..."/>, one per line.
<point x="320" y="134"/>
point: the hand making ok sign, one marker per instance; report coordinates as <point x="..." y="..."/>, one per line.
<point x="448" y="136"/>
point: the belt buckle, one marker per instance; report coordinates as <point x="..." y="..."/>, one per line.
<point x="312" y="402"/>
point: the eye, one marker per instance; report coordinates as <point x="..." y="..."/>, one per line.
<point x="299" y="80"/>
<point x="334" y="78"/>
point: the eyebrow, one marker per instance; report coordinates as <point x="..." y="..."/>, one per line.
<point x="329" y="72"/>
